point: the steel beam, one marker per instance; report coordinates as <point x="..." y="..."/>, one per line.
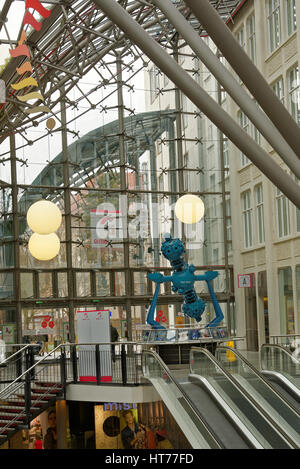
<point x="247" y="71"/>
<point x="231" y="85"/>
<point x="201" y="99"/>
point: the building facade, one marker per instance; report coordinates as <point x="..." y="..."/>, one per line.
<point x="253" y="226"/>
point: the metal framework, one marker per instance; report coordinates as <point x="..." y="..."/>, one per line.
<point x="78" y="39"/>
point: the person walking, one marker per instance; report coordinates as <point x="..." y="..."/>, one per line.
<point x="114" y="336"/>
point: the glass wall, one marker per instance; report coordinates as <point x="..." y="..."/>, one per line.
<point x="120" y="156"/>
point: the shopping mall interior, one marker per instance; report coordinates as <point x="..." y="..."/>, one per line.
<point x="150" y="224"/>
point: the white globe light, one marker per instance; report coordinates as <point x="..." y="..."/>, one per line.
<point x="44" y="247"/>
<point x="44" y="217"/>
<point x="189" y="209"/>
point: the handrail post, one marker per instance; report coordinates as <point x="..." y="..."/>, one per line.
<point x="98" y="365"/>
<point x="74" y="363"/>
<point x="27" y="390"/>
<point x="123" y="365"/>
<point x="31" y="362"/>
<point x="63" y="371"/>
<point x="19" y="364"/>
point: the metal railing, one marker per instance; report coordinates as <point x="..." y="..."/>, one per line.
<point x="14" y="365"/>
<point x="287" y="340"/>
<point x="104" y="363"/>
<point x="203" y="363"/>
<point x="155" y="369"/>
<point x="283" y="364"/>
<point x="181" y="334"/>
<point x="29" y="384"/>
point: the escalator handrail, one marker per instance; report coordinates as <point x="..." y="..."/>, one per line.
<point x="245" y="394"/>
<point x="185" y="396"/>
<point x="280" y="347"/>
<point x="261" y="377"/>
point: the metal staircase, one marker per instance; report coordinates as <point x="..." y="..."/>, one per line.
<point x="28" y="387"/>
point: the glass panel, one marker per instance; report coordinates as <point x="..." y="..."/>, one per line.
<point x="48" y="326"/>
<point x="6" y="285"/>
<point x="158" y="375"/>
<point x="119" y="283"/>
<point x="281" y="361"/>
<point x="45" y="285"/>
<point x="83" y="284"/>
<point x="140" y="283"/>
<point x="62" y="284"/>
<point x="272" y="403"/>
<point x="203" y="365"/>
<point x="27" y="290"/>
<point x="102" y="284"/>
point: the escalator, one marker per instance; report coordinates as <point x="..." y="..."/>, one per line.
<point x="282" y="408"/>
<point x="282" y="368"/>
<point x="213" y="409"/>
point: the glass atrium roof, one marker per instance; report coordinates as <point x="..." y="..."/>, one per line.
<point x="76" y="38"/>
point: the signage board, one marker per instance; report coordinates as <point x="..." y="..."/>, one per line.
<point x="94" y="328"/>
<point x="244" y="281"/>
<point x="8" y="333"/>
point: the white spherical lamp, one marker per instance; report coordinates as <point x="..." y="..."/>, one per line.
<point x="189" y="209"/>
<point x="44" y="247"/>
<point x="44" y="217"/>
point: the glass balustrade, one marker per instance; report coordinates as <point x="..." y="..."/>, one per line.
<point x="178" y="402"/>
<point x="268" y="398"/>
<point x="221" y="377"/>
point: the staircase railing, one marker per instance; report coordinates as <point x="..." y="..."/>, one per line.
<point x="14" y="365"/>
<point x="33" y="390"/>
<point x="28" y="385"/>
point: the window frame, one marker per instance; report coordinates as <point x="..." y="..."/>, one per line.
<point x="273" y="11"/>
<point x="259" y="206"/>
<point x="282" y="214"/>
<point x="247" y="217"/>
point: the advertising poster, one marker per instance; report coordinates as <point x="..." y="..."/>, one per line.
<point x="49" y="430"/>
<point x="8" y="333"/>
<point x="130" y="426"/>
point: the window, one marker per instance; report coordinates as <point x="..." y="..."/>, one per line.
<point x="291" y="16"/>
<point x="210" y="133"/>
<point x="212" y="182"/>
<point x="293" y="81"/>
<point x="186" y="172"/>
<point x="226" y="153"/>
<point x="251" y="38"/>
<point x="274" y="28"/>
<point x="298" y="291"/>
<point x="154" y="82"/>
<point x="297" y="214"/>
<point x="184" y="101"/>
<point x="278" y="88"/>
<point x="286" y="301"/>
<point x="241" y="37"/>
<point x="260" y="214"/>
<point x="283" y="215"/>
<point x="247" y="219"/>
<point x="228" y="226"/>
<point x="245" y="124"/>
<point x="298" y="220"/>
<point x="223" y="92"/>
<point x="241" y="40"/>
